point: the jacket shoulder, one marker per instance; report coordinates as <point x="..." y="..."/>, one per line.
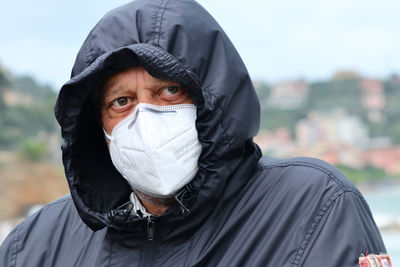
<point x="39" y="233"/>
<point x="47" y="215"/>
<point x="51" y="213"/>
<point x="320" y="202"/>
<point x="305" y="171"/>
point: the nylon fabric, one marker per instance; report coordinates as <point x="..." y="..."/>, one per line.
<point x="241" y="209"/>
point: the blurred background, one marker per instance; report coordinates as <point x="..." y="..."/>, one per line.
<point x="327" y="74"/>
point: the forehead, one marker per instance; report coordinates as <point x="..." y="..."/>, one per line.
<point x="133" y="78"/>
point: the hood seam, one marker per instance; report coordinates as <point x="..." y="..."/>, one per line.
<point x="158" y="22"/>
<point x="222" y="121"/>
<point x="89" y="51"/>
<point x="325" y="208"/>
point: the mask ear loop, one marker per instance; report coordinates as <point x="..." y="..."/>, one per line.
<point x="109" y="137"/>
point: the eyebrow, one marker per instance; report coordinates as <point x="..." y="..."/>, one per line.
<point x="114" y="90"/>
<point x="120" y="88"/>
<point x="160" y="82"/>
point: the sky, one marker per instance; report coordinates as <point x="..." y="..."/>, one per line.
<point x="277" y="40"/>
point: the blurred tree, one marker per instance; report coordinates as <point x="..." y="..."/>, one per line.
<point x="368" y="173"/>
<point x="33" y="150"/>
<point x="345" y="93"/>
<point x="391" y="126"/>
<point x="3" y="83"/>
<point x="263" y="91"/>
<point x="272" y="119"/>
<point x="25" y="119"/>
<point x="28" y="85"/>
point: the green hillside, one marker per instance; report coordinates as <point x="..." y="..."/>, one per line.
<point x="26" y="109"/>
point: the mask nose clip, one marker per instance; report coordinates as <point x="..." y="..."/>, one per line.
<point x="135" y="112"/>
<point x="158" y="110"/>
<point x="144" y="107"/>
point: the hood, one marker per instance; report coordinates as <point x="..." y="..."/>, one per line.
<point x="176" y="40"/>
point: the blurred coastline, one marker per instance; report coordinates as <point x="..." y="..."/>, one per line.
<point x="350" y="121"/>
<point x="384" y="202"/>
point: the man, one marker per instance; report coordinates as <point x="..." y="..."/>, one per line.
<point x="157" y="122"/>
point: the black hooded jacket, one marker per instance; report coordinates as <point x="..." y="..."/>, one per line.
<point x="241" y="209"/>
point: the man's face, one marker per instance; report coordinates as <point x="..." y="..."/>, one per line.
<point x="124" y="90"/>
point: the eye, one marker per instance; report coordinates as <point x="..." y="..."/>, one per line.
<point x="170" y="90"/>
<point x="121" y="102"/>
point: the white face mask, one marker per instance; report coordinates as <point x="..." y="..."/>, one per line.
<point x="156" y="148"/>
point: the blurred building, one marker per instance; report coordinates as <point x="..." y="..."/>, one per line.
<point x="278" y="143"/>
<point x="288" y="95"/>
<point x="373" y="98"/>
<point x="327" y="129"/>
<point x="13" y="98"/>
<point x="345" y="75"/>
<point x="386" y="158"/>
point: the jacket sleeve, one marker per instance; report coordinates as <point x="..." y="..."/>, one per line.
<point x="31" y="243"/>
<point x="340" y="233"/>
<point x="8" y="249"/>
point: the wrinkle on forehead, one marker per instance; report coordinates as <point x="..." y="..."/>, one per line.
<point x="119" y="82"/>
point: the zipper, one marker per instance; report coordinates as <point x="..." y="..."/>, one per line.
<point x="150" y="228"/>
<point x="149" y="253"/>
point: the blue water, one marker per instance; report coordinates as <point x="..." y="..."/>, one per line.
<point x="385" y="207"/>
<point x="392" y="243"/>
